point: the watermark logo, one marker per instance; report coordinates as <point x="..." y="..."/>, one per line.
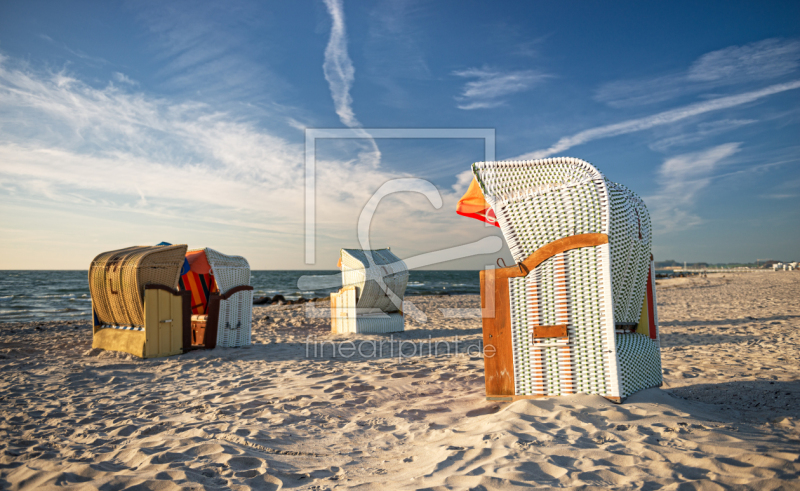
<point x="400" y="348"/>
<point x="486" y="245"/>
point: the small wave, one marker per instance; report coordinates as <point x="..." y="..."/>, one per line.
<point x="12" y="312"/>
<point x="38" y="311"/>
<point x="7" y="297"/>
<point x="20" y="308"/>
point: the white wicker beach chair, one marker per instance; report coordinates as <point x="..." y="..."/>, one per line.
<point x="577" y="312"/>
<point x="235" y="300"/>
<point x="371" y="299"/>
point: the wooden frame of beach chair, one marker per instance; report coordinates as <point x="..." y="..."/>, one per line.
<point x="228" y="319"/>
<point x="135" y="307"/>
<point x="205" y="328"/>
<point x="577" y="313"/>
<point x="362" y="305"/>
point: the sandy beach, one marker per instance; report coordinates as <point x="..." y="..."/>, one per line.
<point x="276" y="415"/>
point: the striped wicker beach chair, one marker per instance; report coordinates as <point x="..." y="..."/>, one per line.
<point x="371" y="299"/>
<point x="577" y="313"/>
<point x="223" y="316"/>
<point x="136" y="307"/>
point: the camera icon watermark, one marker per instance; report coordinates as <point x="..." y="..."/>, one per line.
<point x="430" y="191"/>
<point x="487" y="245"/>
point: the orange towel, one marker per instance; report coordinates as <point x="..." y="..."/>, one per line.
<point x="198" y="262"/>
<point x="201" y="286"/>
<point x="473" y="205"/>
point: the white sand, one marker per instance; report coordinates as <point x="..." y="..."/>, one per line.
<point x="269" y="417"/>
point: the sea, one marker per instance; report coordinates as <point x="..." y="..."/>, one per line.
<point x="28" y="296"/>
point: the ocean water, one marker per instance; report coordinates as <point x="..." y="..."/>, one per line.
<point x="27" y="296"/>
<point x="44" y="295"/>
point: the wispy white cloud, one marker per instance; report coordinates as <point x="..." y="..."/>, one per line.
<point x="338" y="68"/>
<point x="781" y="196"/>
<point x="66" y="141"/>
<point x="296" y="124"/>
<point x="202" y="48"/>
<point x="92" y="60"/>
<point x="786" y="189"/>
<point x="490" y="87"/>
<point x="640" y="92"/>
<point x="681" y="180"/>
<point x="340" y="74"/>
<point x="124" y="79"/>
<point x="700" y="132"/>
<point x="659" y="119"/>
<point x="117" y="152"/>
<point x="763" y="60"/>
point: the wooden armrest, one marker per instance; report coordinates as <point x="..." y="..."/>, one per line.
<point x="235" y="289"/>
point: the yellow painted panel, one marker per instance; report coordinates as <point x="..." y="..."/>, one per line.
<point x="164" y="312"/>
<point x="151" y="322"/>
<point x="163" y="338"/>
<point x="334" y="312"/>
<point x="644" y="319"/>
<point x="176" y="342"/>
<point x="132" y="342"/>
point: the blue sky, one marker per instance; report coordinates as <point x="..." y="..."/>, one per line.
<point x="135" y="122"/>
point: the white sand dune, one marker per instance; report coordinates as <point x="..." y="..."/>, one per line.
<point x="275" y="416"/>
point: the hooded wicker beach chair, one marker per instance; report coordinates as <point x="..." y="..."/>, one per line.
<point x="371" y="299"/>
<point x="221" y="286"/>
<point x="143" y="305"/>
<point x="136" y="306"/>
<point x="577" y="313"/>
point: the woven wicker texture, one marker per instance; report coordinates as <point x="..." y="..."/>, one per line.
<point x="640" y="363"/>
<point x="375" y="324"/>
<point x="117" y="280"/>
<point x="538" y="202"/>
<point x="541" y="367"/>
<point x="366" y="270"/>
<point x="235" y="313"/>
<point x="629" y="239"/>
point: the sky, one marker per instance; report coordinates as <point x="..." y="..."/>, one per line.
<point x="137" y="122"/>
